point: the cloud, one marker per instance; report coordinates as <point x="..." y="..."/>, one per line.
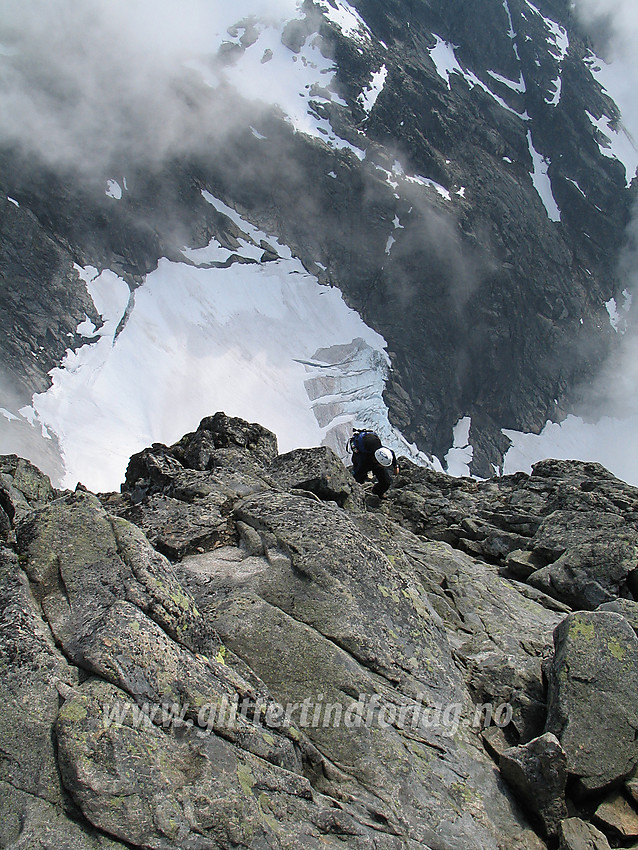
<point x="613" y="22"/>
<point x="605" y="427"/>
<point x="613" y="27"/>
<point x="615" y="393"/>
<point x="88" y="82"/>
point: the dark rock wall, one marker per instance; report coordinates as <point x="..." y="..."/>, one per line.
<point x="489" y="308"/>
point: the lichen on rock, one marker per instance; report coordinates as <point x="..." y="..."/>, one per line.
<point x="319" y="674"/>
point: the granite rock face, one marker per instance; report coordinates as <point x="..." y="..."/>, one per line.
<point x="570" y="530"/>
<point x="591" y="696"/>
<point x="538" y="770"/>
<point x="576" y="834"/>
<point x="320" y="674"/>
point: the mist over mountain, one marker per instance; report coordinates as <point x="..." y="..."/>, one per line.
<point x="230" y="233"/>
<point x="317" y="215"/>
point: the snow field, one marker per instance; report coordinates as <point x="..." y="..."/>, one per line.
<point x="248" y="340"/>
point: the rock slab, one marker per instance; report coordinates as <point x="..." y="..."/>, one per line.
<point x="592" y="686"/>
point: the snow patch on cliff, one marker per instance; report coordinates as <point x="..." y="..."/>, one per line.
<point x="265" y="342"/>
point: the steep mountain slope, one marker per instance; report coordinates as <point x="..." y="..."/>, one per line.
<point x="455" y="169"/>
<point x="234" y="652"/>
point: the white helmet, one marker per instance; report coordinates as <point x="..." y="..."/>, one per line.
<point x="383" y="456"/>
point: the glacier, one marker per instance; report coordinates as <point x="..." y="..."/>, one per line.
<point x="263" y="341"/>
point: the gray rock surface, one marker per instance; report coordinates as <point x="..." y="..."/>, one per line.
<point x="156" y="789"/>
<point x="617" y="814"/>
<point x="317" y="470"/>
<point x="448" y="594"/>
<point x="22" y="487"/>
<point x="264" y="605"/>
<point x="538" y="772"/>
<point x="591" y="568"/>
<point x="500" y="632"/>
<point x="31" y="668"/>
<point x="627" y="607"/>
<point x="309" y="675"/>
<point x="592" y="708"/>
<point x="576" y="834"/>
<point x="34" y="808"/>
<point x="570" y="529"/>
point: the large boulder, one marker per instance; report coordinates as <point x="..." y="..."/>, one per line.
<point x="618" y="816"/>
<point x="27" y="479"/>
<point x="319" y="471"/>
<point x="220" y="443"/>
<point x="23" y="488"/>
<point x="592" y="685"/>
<point x="538" y="772"/>
<point x="197" y="451"/>
<point x="150" y="471"/>
<point x="177" y="528"/>
<point x="189" y="511"/>
<point x="562" y="530"/>
<point x="627" y="607"/>
<point x="594" y="570"/>
<point x="182" y="495"/>
<point x="33" y="803"/>
<point x="577" y="834"/>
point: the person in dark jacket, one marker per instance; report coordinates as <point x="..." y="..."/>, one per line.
<point x="369" y="455"/>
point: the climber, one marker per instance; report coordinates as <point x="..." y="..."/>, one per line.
<point x="369" y="455"/>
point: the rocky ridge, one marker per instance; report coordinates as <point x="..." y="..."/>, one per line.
<point x="235" y="652"/>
